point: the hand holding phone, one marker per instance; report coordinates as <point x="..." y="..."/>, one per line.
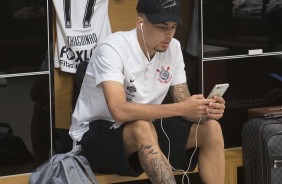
<point x="218" y="90"/>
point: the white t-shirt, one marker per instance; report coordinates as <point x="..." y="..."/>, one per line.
<point x="120" y="58"/>
<point x="81" y="25"/>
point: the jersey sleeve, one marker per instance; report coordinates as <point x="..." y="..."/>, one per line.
<point x="179" y="76"/>
<point x="107" y="65"/>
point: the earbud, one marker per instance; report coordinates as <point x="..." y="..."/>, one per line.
<point x="141" y="25"/>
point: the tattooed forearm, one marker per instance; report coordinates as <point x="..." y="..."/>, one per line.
<point x="155" y="165"/>
<point x="179" y="92"/>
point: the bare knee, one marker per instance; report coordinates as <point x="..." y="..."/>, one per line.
<point x="211" y="134"/>
<point x="142" y="132"/>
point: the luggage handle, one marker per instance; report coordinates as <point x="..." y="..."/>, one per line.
<point x="272" y="115"/>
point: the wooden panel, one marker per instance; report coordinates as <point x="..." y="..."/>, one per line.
<point x="233" y="160"/>
<point x="122" y="14"/>
<point x="15" y="179"/>
<point x="63" y="84"/>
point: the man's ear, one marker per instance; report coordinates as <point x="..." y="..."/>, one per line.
<point x="139" y="23"/>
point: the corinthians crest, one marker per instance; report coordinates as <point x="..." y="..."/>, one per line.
<point x="164" y="75"/>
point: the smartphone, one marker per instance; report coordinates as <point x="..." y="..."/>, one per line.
<point x="218" y="89"/>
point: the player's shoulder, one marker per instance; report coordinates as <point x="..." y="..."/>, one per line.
<point x="174" y="43"/>
<point x="120" y="38"/>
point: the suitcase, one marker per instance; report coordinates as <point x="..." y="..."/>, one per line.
<point x="262" y="150"/>
<point x="235" y="115"/>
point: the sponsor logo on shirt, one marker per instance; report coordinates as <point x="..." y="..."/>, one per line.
<point x="70" y="58"/>
<point x="130" y="93"/>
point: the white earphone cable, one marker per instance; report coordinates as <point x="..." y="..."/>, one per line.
<point x="148" y="55"/>
<point x="185" y="173"/>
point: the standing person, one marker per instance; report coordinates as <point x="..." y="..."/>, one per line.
<point x="119" y="115"/>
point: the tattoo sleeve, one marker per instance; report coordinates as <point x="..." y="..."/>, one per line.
<point x="155" y="165"/>
<point x="179" y="92"/>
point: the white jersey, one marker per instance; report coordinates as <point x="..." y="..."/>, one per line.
<point x="81" y="25"/>
<point x="120" y="58"/>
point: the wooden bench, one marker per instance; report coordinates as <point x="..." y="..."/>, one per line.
<point x="233" y="160"/>
<point x="112" y="178"/>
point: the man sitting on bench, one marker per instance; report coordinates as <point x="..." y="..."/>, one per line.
<point x="119" y="118"/>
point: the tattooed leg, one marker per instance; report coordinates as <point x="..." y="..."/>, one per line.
<point x="155" y="165"/>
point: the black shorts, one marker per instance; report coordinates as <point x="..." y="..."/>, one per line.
<point x="103" y="147"/>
